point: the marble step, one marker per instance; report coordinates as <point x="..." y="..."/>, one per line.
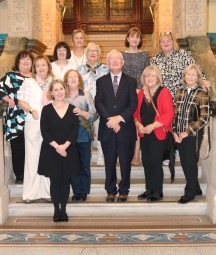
<point x="137" y="182"/>
<point x="176" y="188"/>
<point x="96" y="206"/>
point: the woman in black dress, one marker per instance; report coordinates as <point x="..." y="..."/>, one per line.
<point x="58" y="157"/>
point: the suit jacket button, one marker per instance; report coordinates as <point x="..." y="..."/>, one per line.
<point x="114" y="106"/>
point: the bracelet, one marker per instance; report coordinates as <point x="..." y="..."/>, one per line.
<point x="31" y="110"/>
<point x="153" y="125"/>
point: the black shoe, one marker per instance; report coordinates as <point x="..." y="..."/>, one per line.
<point x="185" y="199"/>
<point x="110" y="198"/>
<point x="19" y="181"/>
<point x="76" y="198"/>
<point x="83" y="197"/>
<point x="122" y="198"/>
<point x="199" y="193"/>
<point x="144" y="195"/>
<point x="64" y="217"/>
<point x="154" y="198"/>
<point x="57" y="216"/>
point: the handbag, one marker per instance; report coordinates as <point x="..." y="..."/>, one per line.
<point x="169" y="150"/>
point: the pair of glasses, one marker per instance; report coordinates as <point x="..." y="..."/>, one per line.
<point x="165" y="33"/>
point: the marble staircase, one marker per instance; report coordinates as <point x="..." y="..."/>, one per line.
<point x="96" y="205"/>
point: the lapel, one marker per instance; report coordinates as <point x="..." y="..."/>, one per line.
<point x="109" y="86"/>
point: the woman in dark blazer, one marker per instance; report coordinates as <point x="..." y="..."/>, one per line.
<point x="152" y="129"/>
<point x="58" y="157"/>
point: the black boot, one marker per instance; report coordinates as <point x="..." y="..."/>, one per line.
<point x="57" y="216"/>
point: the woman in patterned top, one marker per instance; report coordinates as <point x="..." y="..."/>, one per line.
<point x="32" y="97"/>
<point x="191" y="115"/>
<point x="136" y="61"/>
<point x="90" y="72"/>
<point x="14" y="116"/>
<point x="85" y="109"/>
<point x="172" y="63"/>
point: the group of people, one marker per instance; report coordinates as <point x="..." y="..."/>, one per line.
<point x="55" y="110"/>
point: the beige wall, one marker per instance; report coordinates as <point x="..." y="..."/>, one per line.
<point x="3" y="18"/>
<point x="211" y="12"/>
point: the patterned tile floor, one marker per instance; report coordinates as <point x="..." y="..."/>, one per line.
<point x="105" y="231"/>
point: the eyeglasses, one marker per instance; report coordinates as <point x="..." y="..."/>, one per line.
<point x="165" y="33"/>
<point x="115" y="59"/>
<point x="95" y="51"/>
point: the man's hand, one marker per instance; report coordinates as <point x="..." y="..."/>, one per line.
<point x="113" y="121"/>
<point x="117" y="128"/>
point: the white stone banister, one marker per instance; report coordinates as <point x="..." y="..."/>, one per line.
<point x="4" y="192"/>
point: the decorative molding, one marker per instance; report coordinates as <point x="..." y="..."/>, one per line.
<point x="36" y="20"/>
<point x="20" y="22"/>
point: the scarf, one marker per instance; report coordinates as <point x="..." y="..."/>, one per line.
<point x="44" y="85"/>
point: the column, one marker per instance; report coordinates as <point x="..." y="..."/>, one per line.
<point x="36" y="19"/>
<point x="4" y="192"/>
<point x="181" y="17"/>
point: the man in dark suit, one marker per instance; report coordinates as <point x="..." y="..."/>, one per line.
<point x="116" y="101"/>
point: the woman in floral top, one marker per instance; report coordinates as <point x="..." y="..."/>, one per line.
<point x="85" y="109"/>
<point x="90" y="72"/>
<point x="172" y="63"/>
<point x="14" y="116"/>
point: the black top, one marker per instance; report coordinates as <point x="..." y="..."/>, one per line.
<point x="147" y="111"/>
<point x="55" y="128"/>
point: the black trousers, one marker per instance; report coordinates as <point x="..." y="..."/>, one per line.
<point x="18" y="155"/>
<point x="189" y="156"/>
<point x="152" y="151"/>
<point x="113" y="149"/>
<point x="59" y="191"/>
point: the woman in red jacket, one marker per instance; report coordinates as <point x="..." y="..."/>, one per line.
<point x="152" y="128"/>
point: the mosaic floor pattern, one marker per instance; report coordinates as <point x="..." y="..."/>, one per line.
<point x="105" y="231"/>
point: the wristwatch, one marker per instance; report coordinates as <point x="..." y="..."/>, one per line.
<point x="31" y="111"/>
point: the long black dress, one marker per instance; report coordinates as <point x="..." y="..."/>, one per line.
<point x="55" y="128"/>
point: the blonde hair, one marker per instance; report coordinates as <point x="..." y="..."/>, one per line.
<point x="50" y="73"/>
<point x="92" y="44"/>
<point x="76" y="31"/>
<point x="188" y="69"/>
<point x="81" y="83"/>
<point x="51" y="87"/>
<point x="170" y="36"/>
<point x="149" y="70"/>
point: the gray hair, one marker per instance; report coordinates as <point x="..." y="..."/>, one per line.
<point x="92" y="44"/>
<point x="109" y="53"/>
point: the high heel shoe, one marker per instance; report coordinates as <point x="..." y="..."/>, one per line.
<point x="64" y="217"/>
<point x="57" y="217"/>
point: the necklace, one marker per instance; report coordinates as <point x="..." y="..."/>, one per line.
<point x="75" y="58"/>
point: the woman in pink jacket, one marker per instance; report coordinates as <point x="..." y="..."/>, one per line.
<point x="153" y="118"/>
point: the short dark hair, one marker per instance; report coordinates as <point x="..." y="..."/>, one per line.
<point x="20" y="55"/>
<point x="60" y="45"/>
<point x="133" y="31"/>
